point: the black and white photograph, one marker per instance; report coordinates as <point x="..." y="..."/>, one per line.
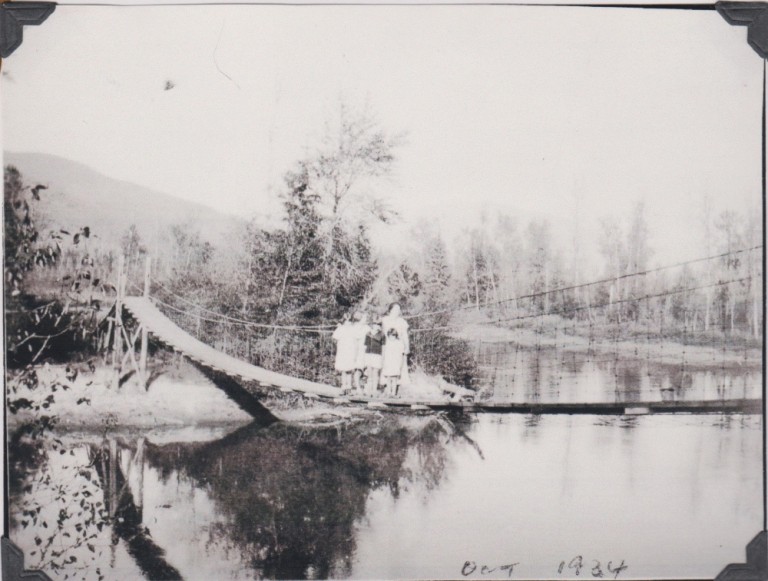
<point x="384" y="291"/>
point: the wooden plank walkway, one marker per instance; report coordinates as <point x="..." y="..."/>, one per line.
<point x="206" y="356"/>
<point x="172" y="335"/>
<point x="749" y="406"/>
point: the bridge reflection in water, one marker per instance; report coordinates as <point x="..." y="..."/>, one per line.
<point x="124" y="505"/>
<point x="291" y="496"/>
<point x="280" y="501"/>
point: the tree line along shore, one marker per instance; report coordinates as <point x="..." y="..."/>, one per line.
<point x="272" y="293"/>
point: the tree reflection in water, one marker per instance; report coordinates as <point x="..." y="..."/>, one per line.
<point x="292" y="494"/>
<point x="289" y="497"/>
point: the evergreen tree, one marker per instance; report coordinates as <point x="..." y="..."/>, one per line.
<point x="405" y="287"/>
<point x="322" y="274"/>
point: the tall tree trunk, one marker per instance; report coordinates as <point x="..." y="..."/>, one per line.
<point x="492" y="279"/>
<point x="282" y="287"/>
<point x="733" y="311"/>
<point x="708" y="299"/>
<point x="756" y="288"/>
<point x="618" y="288"/>
<point x="477" y="283"/>
<point x="248" y="280"/>
<point x="755" y="309"/>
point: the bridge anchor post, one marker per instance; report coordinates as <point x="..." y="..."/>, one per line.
<point x="144" y="331"/>
<point x="117" y="328"/>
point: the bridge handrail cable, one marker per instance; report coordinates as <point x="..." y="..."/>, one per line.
<point x="224" y="319"/>
<point x="228" y="320"/>
<point x="592" y="305"/>
<point x="586" y="284"/>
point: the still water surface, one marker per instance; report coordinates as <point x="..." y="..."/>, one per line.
<point x="401" y="497"/>
<point x="513" y="373"/>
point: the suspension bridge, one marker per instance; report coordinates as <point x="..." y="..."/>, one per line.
<point x="247" y="384"/>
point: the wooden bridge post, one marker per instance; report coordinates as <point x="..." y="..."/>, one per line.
<point x="139" y="466"/>
<point x="117" y="343"/>
<point x="144" y="332"/>
<point x="112" y="476"/>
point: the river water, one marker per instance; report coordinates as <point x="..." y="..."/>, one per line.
<point x="546" y="374"/>
<point x="403" y="496"/>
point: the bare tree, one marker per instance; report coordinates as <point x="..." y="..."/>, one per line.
<point x="614" y="252"/>
<point x="706" y="221"/>
<point x="354" y="154"/>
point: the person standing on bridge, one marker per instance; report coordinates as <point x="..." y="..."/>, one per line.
<point x="394" y="352"/>
<point x="394" y="320"/>
<point x="346" y="351"/>
<point x="360" y="331"/>
<point x="374" y="342"/>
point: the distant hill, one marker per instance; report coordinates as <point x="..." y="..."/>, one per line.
<point x="80" y="196"/>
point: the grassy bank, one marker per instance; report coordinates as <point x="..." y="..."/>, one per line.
<point x="180" y="397"/>
<point x="90" y="398"/>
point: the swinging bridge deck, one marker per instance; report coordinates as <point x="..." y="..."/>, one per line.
<point x="219" y="363"/>
<point x="170" y="334"/>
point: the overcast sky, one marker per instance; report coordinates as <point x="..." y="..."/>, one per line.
<point x="525" y="110"/>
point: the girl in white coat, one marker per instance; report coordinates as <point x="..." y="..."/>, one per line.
<point x="393" y="354"/>
<point x="346" y="351"/>
<point x="394" y="320"/>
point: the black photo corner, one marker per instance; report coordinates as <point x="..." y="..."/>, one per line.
<point x="15" y="17"/>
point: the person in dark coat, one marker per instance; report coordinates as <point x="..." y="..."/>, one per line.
<point x="374" y="341"/>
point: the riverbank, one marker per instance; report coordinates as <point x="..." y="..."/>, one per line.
<point x="180" y="397"/>
<point x="665" y="352"/>
<point x="90" y="398"/>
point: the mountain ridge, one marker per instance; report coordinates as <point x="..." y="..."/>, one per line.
<point x="79" y="195"/>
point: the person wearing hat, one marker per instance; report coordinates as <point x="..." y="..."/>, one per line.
<point x="392" y="368"/>
<point x="394" y="320"/>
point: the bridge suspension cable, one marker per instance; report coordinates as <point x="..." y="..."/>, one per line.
<point x="586" y="284"/>
<point x="592" y="305"/>
<point x="220" y="318"/>
<point x="223" y="320"/>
